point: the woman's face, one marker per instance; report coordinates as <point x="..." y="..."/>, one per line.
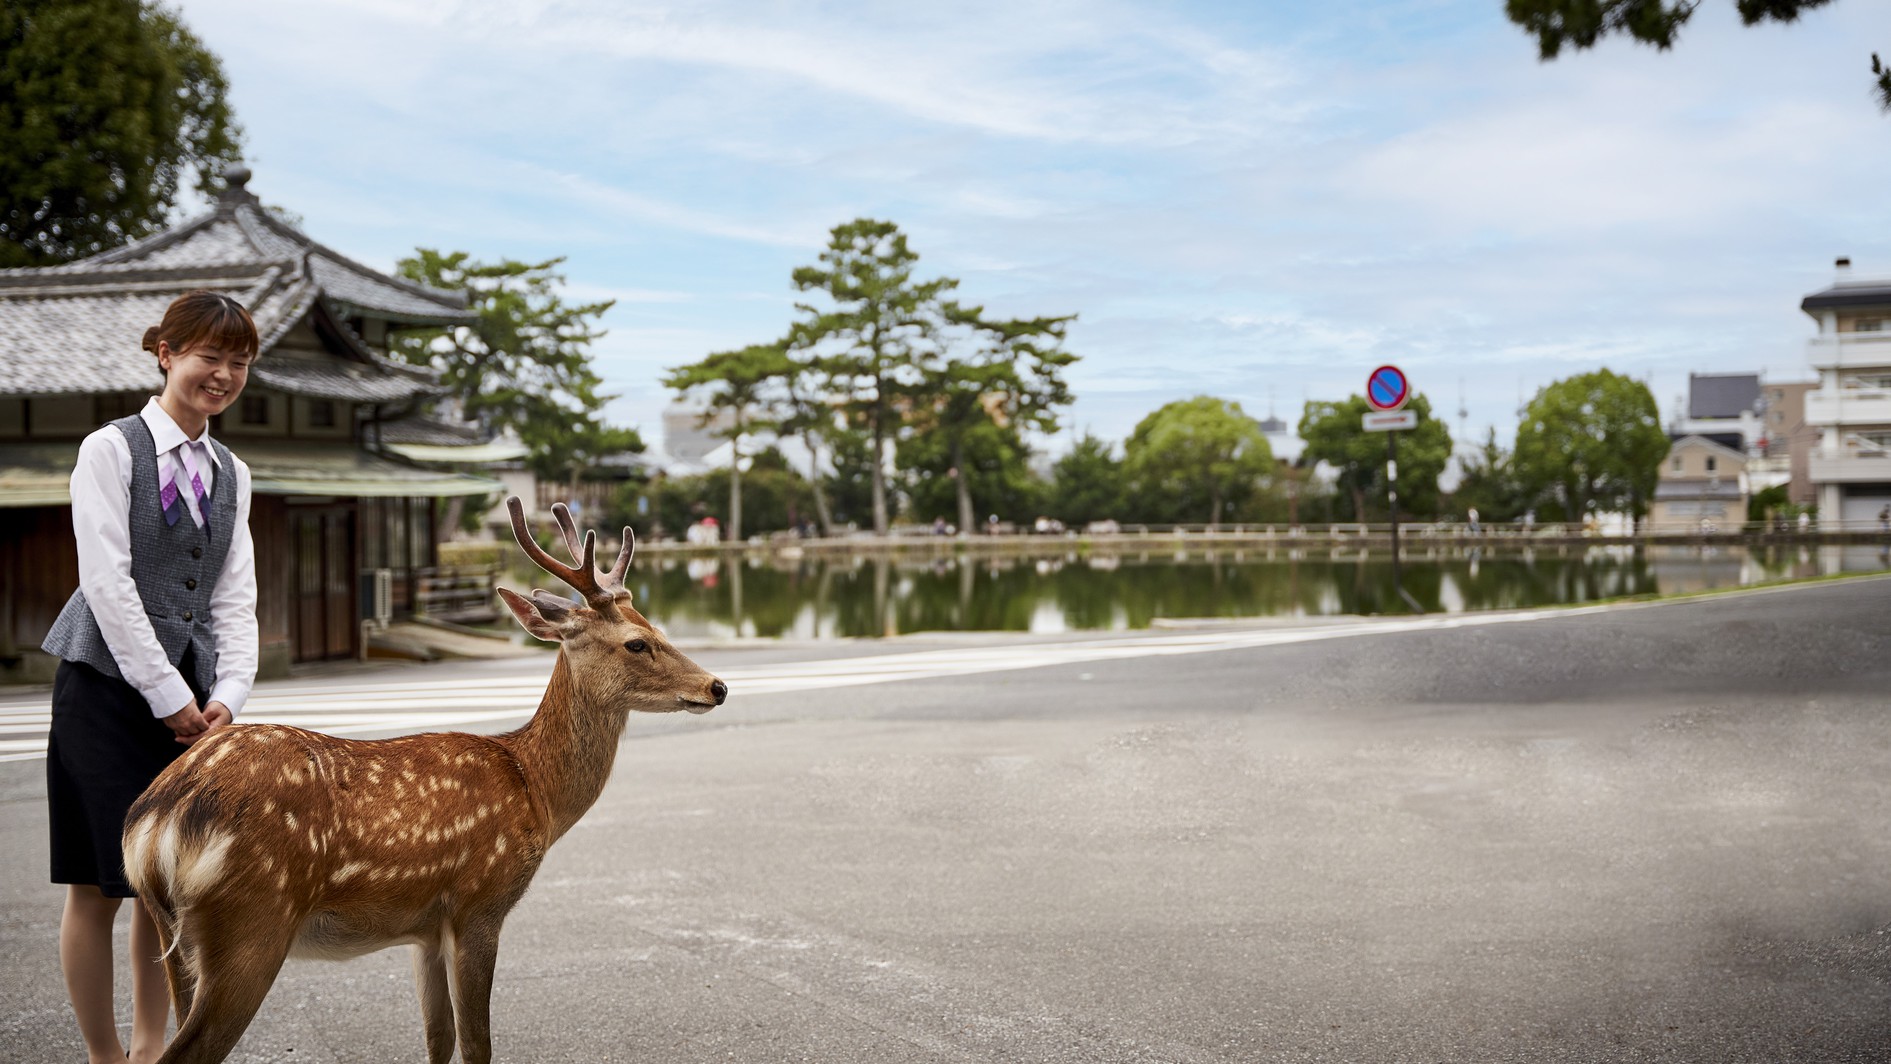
<point x="203" y="379"/>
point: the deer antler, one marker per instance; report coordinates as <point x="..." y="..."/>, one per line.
<point x="614" y="579"/>
<point x="584" y="578"/>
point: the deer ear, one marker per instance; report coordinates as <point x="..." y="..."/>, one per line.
<point x="530" y="618"/>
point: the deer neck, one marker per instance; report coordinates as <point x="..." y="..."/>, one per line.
<point x="566" y="750"/>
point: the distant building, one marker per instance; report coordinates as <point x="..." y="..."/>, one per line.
<point x="1787" y="442"/>
<point x="1723" y="407"/>
<point x="1703" y="486"/>
<point x="1850" y="472"/>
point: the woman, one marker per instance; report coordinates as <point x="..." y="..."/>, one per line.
<point x="158" y="645"/>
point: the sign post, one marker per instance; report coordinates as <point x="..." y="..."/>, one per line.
<point x="1387" y="389"/>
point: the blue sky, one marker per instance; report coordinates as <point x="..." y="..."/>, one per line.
<point x="1259" y="201"/>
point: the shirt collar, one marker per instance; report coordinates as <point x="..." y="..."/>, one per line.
<point x="165" y="435"/>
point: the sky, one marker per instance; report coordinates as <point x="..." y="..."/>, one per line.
<point x="1258" y="201"/>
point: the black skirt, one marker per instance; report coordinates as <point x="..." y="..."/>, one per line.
<point x="104" y="750"/>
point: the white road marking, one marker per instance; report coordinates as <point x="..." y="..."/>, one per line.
<point x="345" y="707"/>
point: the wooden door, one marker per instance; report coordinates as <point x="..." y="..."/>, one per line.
<point x="322" y="543"/>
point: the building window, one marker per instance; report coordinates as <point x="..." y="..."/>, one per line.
<point x="1676" y="464"/>
<point x="322" y="413"/>
<point x="1868" y="325"/>
<point x="1712" y="462"/>
<point x="255" y="410"/>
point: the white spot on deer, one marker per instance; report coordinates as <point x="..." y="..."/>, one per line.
<point x="348" y="871"/>
<point x="288" y="817"/>
<point x="168" y="839"/>
<point x="314" y="841"/>
<point x="198" y="871"/>
<point x="499" y="845"/>
<point x="269" y="807"/>
<point x="138" y="844"/>
<point x="291" y="775"/>
<point x="282" y="880"/>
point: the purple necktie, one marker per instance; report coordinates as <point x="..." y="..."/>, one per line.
<point x="172" y="497"/>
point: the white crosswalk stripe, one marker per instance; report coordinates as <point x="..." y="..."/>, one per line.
<point x="350" y="706"/>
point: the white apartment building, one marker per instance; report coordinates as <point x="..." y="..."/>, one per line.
<point x="1850" y="409"/>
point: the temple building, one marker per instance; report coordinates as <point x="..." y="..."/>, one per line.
<point x="343" y="522"/>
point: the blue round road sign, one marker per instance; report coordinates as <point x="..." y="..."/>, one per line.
<point x="1387" y="388"/>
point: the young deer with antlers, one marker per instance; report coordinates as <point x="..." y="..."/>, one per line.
<point x="267" y="841"/>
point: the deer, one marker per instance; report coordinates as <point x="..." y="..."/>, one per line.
<point x="265" y="841"/>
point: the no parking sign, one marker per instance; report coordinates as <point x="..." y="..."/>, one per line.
<point x="1387" y="388"/>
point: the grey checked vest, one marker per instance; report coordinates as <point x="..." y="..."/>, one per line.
<point x="175" y="568"/>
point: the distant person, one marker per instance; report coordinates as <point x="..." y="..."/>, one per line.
<point x="1471" y="516"/>
<point x="1805" y="520"/>
<point x="1884" y="519"/>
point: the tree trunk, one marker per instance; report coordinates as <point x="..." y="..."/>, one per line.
<point x="1214" y="514"/>
<point x="1359" y="504"/>
<point x="821" y="513"/>
<point x="879" y="480"/>
<point x="450" y="521"/>
<point x="966" y="516"/>
<point x="735" y="482"/>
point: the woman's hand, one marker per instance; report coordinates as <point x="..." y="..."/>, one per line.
<point x="191" y="724"/>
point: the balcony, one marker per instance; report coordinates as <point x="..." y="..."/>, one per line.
<point x="1849" y="406"/>
<point x="1850" y="350"/>
<point x="1850" y="467"/>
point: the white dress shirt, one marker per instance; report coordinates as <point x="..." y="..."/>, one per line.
<point x="101" y="521"/>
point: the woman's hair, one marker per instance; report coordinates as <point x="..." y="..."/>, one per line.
<point x="202" y="317"/>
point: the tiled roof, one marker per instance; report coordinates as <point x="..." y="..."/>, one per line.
<point x="76" y="328"/>
<point x="240" y="232"/>
<point x="1850" y="294"/>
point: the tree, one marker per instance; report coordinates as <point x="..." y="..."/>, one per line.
<point x="733" y="382"/>
<point x="934" y="469"/>
<point x="873" y="340"/>
<point x="1086" y="483"/>
<point x="524" y="364"/>
<point x="1490" y="485"/>
<point x="105" y="105"/>
<point x="1581" y="23"/>
<point x="1002" y="379"/>
<point x="1335" y="434"/>
<point x="1593" y="442"/>
<point x="1194" y="457"/>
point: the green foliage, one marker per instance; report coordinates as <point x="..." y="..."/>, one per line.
<point x="1581" y="23"/>
<point x="993" y="459"/>
<point x="105" y="106"/>
<point x="850" y="489"/>
<point x="1490" y="485"/>
<point x="774" y="499"/>
<point x="1334" y="434"/>
<point x="734" y="382"/>
<point x="525" y="364"/>
<point x="1769" y="502"/>
<point x="993" y="379"/>
<point x="1195" y="460"/>
<point x="1590" y="443"/>
<point x="872" y="340"/>
<point x="1087" y="484"/>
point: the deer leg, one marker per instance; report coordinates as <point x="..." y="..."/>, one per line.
<point x="436" y="1005"/>
<point x="231" y="962"/>
<point x="475" y="954"/>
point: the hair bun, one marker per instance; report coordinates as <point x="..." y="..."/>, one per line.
<point x="151" y="339"/>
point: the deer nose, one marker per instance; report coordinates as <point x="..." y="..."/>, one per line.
<point x="720" y="690"/>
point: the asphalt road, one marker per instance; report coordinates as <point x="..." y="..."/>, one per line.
<point x="1644" y="833"/>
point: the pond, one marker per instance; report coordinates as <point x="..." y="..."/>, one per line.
<point x="815" y="597"/>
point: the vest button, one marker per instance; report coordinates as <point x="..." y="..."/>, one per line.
<point x="196" y="552"/>
<point x="190" y="585"/>
<point x="187" y="615"/>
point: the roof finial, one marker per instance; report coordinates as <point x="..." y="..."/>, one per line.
<point x="234" y="192"/>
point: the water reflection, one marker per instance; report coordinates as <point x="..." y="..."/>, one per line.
<point x="877" y="595"/>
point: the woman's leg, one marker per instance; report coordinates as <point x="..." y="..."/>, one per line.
<point x="150" y="992"/>
<point x="85" y="952"/>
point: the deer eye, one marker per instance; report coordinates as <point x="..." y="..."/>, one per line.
<point x="636" y="646"/>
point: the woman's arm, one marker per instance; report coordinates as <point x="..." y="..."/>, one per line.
<point x="101" y="522"/>
<point x="233" y="607"/>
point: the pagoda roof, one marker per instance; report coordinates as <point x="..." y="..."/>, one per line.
<point x="74" y="329"/>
